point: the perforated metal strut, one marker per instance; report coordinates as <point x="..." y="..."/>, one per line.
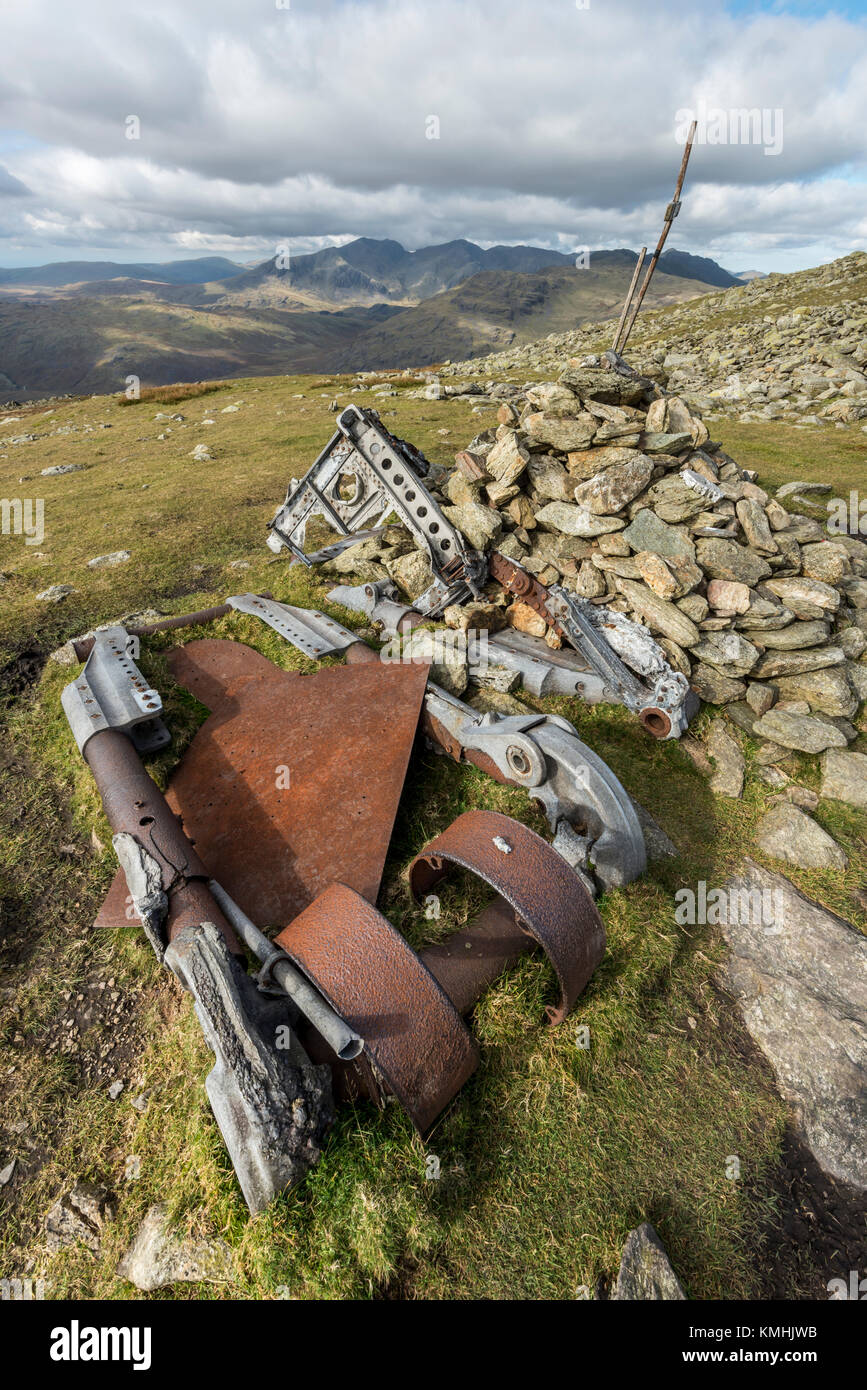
<point x="362" y="476"/>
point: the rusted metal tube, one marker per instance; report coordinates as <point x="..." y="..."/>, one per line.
<point x="134" y="804"/>
<point x="346" y="1043"/>
<point x="84" y="646"/>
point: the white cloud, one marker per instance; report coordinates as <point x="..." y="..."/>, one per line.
<point x="557" y="125"/>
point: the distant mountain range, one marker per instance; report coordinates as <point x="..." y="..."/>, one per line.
<point x="85" y="325"/>
<point x="58" y="273"/>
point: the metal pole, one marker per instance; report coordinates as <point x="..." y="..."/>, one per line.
<point x="339" y="1036"/>
<point x="84" y="645"/>
<point x="627" y="303"/>
<point x="670" y="213"/>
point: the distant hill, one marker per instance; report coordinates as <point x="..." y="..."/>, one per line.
<point x="86" y="325"/>
<point x="369" y="272"/>
<point x="363" y="272"/>
<point x="59" y="273"/>
<point x="744" y="276"/>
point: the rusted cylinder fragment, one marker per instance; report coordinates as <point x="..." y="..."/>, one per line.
<point x="472" y="960"/>
<point x="416" y="1045"/>
<point x="548" y="900"/>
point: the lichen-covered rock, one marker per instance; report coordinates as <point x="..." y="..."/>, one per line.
<point x="844" y="777"/>
<point x="800" y="980"/>
<point x="788" y="834"/>
<point x="645" y="1270"/>
<point x="800" y="731"/>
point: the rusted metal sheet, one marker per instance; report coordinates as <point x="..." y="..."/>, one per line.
<point x="293" y="782"/>
<point x="546" y="897"/>
<point x="417" y="1047"/>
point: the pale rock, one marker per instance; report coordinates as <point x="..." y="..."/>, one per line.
<point x="790" y="835"/>
<point x="825" y="561"/>
<point x="806" y="598"/>
<point x="648" y="532"/>
<point x="791" y="663"/>
<point x="660" y="615"/>
<point x="159" y="1257"/>
<point x="575" y="521"/>
<point x="481" y="525"/>
<point x="800" y="731"/>
<point x="844" y="777"/>
<point x="724" y="559"/>
<point x="727" y="778"/>
<point x="523" y="618"/>
<point x="645" y="1273"/>
<point x="756" y="528"/>
<point x="609" y="491"/>
<point x="728" y="597"/>
<point x="715" y="688"/>
<point x="800" y="985"/>
<point x="731" y="652"/>
<point x="562" y="433"/>
<point x="827" y="690"/>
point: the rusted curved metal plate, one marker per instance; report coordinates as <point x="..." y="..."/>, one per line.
<point x="548" y="899"/>
<point x="293" y="782"/>
<point x="414" y="1037"/>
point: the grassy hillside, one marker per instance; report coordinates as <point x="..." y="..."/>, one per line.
<point x="551" y="1153"/>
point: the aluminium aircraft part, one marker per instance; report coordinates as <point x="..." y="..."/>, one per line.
<point x="386" y="475"/>
<point x="278" y="970"/>
<point x="294" y="780"/>
<point x="543" y="754"/>
<point x="273" y="1107"/>
<point x="377" y="601"/>
<point x="112" y="693"/>
<point x="544" y="670"/>
<point x="548" y="901"/>
<point x="602" y="636"/>
<point x="305" y="628"/>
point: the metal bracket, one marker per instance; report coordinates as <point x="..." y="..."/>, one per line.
<point x="377" y="600"/>
<point x="382" y="474"/>
<point x="112" y="693"/>
<point x="305" y="628"/>
<point x="663" y="707"/>
<point x="543" y="754"/>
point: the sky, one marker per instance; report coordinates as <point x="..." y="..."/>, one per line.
<point x="236" y="127"/>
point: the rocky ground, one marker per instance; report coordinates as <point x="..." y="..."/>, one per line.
<point x="103" y="1062"/>
<point x="789" y="347"/>
<point x="609" y="486"/>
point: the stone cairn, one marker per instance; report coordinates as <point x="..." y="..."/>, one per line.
<point x="602" y="483"/>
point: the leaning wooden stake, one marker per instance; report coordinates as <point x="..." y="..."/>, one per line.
<point x="628" y="301"/>
<point x="670" y="213"/>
